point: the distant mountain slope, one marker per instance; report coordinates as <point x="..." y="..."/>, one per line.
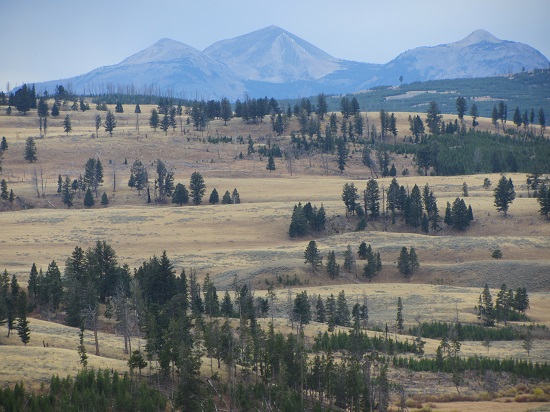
<point x="273" y="55"/>
<point x="167" y="66"/>
<point x="478" y="55"/>
<point x="275" y="62"/>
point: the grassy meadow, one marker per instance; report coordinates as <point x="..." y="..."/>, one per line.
<point x="249" y="242"/>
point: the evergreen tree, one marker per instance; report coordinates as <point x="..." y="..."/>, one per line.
<point x="475" y="114"/>
<point x="403" y="262"/>
<point x="110" y="122"/>
<point x="104" y="199"/>
<point x="399" y="319"/>
<point x="543" y="199"/>
<point x="433" y="118"/>
<point x="67" y="127"/>
<point x="119" y="108"/>
<point x="154" y="119"/>
<point x="333" y="268"/>
<point x="32" y="287"/>
<point x="270" y="163"/>
<point x="312" y="256"/>
<point x="342" y="154"/>
<point x="3" y="144"/>
<point x="301" y="310"/>
<point x="226" y="112"/>
<point x="55" y="110"/>
<point x="30" y="150"/>
<point x="542" y="121"/>
<point x="226" y="307"/>
<point x="226" y="199"/>
<point x="460" y="214"/>
<point x="235" y="197"/>
<point x="362" y="252"/>
<point x="298" y="223"/>
<point x="342" y="314"/>
<point x="413" y="261"/>
<point x="97" y="124"/>
<point x="67" y="194"/>
<point x="372" y="199"/>
<point x="197" y="188"/>
<point x="504" y="194"/>
<point x="89" y="198"/>
<point x="138" y="176"/>
<point x="461" y="107"/>
<point x="448" y="220"/>
<point x="320" y="310"/>
<point x="22" y="326"/>
<point x="349" y="259"/>
<point x="349" y="197"/>
<point x="4" y="194"/>
<point x="486" y="312"/>
<point x="214" y="197"/>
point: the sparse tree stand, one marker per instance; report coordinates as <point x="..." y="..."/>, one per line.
<point x="110" y="122"/>
<point x="312" y="256"/>
<point x="504" y="194"/>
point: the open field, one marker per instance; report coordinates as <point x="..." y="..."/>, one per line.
<point x="249" y="242"/>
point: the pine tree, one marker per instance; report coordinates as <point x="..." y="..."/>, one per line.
<point x="235" y="197"/>
<point x="362" y="252"/>
<point x="320" y="310"/>
<point x="460" y="214"/>
<point x="214" y="197"/>
<point x="333" y="268"/>
<point x="349" y="259"/>
<point x="270" y="163"/>
<point x="67" y="194"/>
<point x="197" y="188"/>
<point x="30" y="150"/>
<point x="226" y="199"/>
<point x="3" y="144"/>
<point x="97" y="124"/>
<point x="372" y="199"/>
<point x="342" y="314"/>
<point x="403" y="262"/>
<point x="4" y="194"/>
<point x="342" y="154"/>
<point x="301" y="310"/>
<point x="33" y="283"/>
<point x="413" y="261"/>
<point x="433" y="119"/>
<point x="349" y="197"/>
<point x="399" y="318"/>
<point x="486" y="312"/>
<point x="504" y="194"/>
<point x="154" y="119"/>
<point x="448" y="220"/>
<point x="110" y="122"/>
<point x="22" y="326"/>
<point x="67" y="126"/>
<point x="312" y="256"/>
<point x="89" y="198"/>
<point x="104" y="199"/>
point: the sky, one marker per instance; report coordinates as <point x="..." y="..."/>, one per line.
<point x="55" y="39"/>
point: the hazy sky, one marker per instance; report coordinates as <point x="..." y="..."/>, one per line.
<point x="54" y="39"/>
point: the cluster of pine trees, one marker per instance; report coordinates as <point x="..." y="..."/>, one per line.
<point x="14" y="307"/>
<point x="509" y="306"/>
<point x="306" y="219"/>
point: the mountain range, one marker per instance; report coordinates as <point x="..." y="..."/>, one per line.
<point x="275" y="62"/>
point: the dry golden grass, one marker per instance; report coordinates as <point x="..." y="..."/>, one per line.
<point x="250" y="240"/>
